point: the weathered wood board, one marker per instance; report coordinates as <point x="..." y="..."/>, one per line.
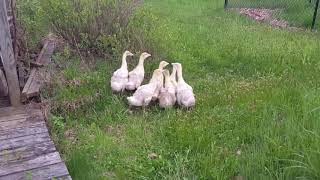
<point x="4" y="102"/>
<point x="37" y="75"/>
<point x="26" y="149"/>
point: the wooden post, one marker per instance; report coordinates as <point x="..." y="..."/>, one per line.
<point x="8" y="60"/>
<point x="315" y="15"/>
<point x="14" y="27"/>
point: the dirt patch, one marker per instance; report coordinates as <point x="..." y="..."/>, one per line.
<point x="264" y="15"/>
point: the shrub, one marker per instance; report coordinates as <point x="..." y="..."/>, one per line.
<point x="31" y="25"/>
<point x="98" y="27"/>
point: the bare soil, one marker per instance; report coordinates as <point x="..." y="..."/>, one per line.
<point x="264" y="15"/>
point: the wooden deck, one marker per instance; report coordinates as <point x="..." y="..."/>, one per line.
<point x="26" y="149"/>
<point x="4" y="102"/>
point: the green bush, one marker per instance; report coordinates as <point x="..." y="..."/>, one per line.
<point x="32" y="25"/>
<point x="98" y="27"/>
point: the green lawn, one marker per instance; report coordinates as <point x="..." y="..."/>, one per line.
<point x="257" y="113"/>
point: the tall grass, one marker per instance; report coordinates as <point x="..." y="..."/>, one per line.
<point x="257" y="112"/>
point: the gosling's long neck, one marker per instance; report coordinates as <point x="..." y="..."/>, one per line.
<point x="179" y="74"/>
<point x="174" y="74"/>
<point x="161" y="66"/>
<point x="167" y="80"/>
<point x="153" y="79"/>
<point x="141" y="62"/>
<point x="124" y="62"/>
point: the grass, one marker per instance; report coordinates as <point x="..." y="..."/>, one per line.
<point x="257" y="113"/>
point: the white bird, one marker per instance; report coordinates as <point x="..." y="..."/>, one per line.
<point x="173" y="77"/>
<point x="185" y="96"/>
<point x="144" y="94"/>
<point x="136" y="76"/>
<point x="167" y="97"/>
<point x="120" y="77"/>
<point x="162" y="65"/>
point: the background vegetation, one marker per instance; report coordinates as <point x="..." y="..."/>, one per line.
<point x="297" y="12"/>
<point x="257" y="90"/>
<point x="99" y="28"/>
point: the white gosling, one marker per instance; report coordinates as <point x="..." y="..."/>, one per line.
<point x="136" y="76"/>
<point x="167" y="97"/>
<point x="185" y="96"/>
<point x="120" y="77"/>
<point x="162" y="65"/>
<point x="173" y="77"/>
<point x="143" y="95"/>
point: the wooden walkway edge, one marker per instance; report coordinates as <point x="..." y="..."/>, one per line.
<point x="26" y="149"/>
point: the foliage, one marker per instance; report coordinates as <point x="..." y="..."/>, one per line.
<point x="32" y="25"/>
<point x="97" y="27"/>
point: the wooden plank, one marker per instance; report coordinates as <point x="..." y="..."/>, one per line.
<point x="5" y="126"/>
<point x="14" y="117"/>
<point x="65" y="178"/>
<point x="3" y="85"/>
<point x="11" y="109"/>
<point x="23" y="131"/>
<point x="22" y="115"/>
<point x="21" y="109"/>
<point x="8" y="59"/>
<point x="19" y="123"/>
<point x="29" y="81"/>
<point x="55" y="171"/>
<point x="32" y="87"/>
<point x="42" y="52"/>
<point x="4" y="102"/>
<point x="40" y="161"/>
<point x="35" y="81"/>
<point x="45" y="56"/>
<point x="21" y="75"/>
<point x="9" y="113"/>
<point x="26" y="152"/>
<point x="8" y="144"/>
<point x="26" y="149"/>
